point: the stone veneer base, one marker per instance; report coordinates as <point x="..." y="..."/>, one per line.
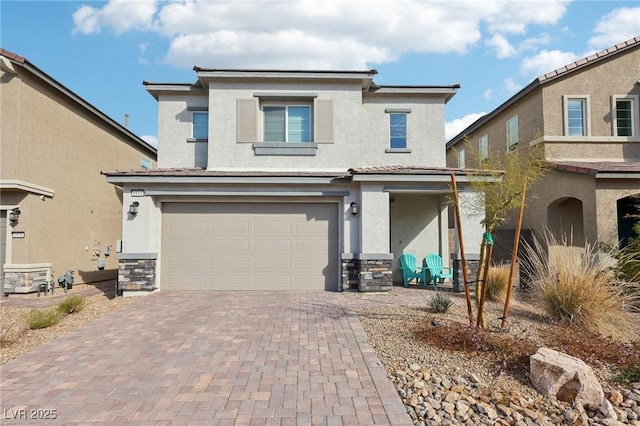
<point x="137" y="272"/>
<point x="367" y="272"/>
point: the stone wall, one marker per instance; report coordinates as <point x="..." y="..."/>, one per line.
<point x="137" y="272"/>
<point x="472" y="262"/>
<point x="25" y="279"/>
<point x="367" y="272"/>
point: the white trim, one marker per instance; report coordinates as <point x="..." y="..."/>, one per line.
<point x="635" y="125"/>
<point x="586" y="114"/>
<point x="512" y="143"/>
<point x="26" y="186"/>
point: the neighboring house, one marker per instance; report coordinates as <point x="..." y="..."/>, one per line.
<point x="53" y="147"/>
<point x="586" y="115"/>
<point x="273" y="179"/>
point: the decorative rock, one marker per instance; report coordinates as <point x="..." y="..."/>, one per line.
<point x="607" y="410"/>
<point x="615" y="397"/>
<point x="565" y="377"/>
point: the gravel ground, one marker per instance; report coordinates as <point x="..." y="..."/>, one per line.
<point x="443" y="387"/>
<point x="16" y="338"/>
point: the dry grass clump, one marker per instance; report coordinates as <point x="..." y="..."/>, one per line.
<point x="42" y="318"/>
<point x="577" y="286"/>
<point x="497" y="282"/>
<point x="72" y="304"/>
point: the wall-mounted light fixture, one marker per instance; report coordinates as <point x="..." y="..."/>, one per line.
<point x="133" y="208"/>
<point x="354" y="208"/>
<point x="13" y="215"/>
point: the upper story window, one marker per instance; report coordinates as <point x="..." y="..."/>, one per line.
<point x="512" y="133"/>
<point x="461" y="159"/>
<point x="200" y="128"/>
<point x="483" y="147"/>
<point x="625" y="115"/>
<point x="145" y="163"/>
<point x="287" y="123"/>
<point x="397" y="130"/>
<point x="576" y="115"/>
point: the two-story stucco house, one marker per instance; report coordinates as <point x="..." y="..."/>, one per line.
<point x="57" y="213"/>
<point x="273" y="179"/>
<point x="586" y="115"/>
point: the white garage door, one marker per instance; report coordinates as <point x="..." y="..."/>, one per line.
<point x="249" y="246"/>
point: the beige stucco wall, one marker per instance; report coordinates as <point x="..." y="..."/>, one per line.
<point x="530" y="127"/>
<point x="608" y="192"/>
<point x="49" y="141"/>
<point x="557" y="186"/>
<point x="616" y="76"/>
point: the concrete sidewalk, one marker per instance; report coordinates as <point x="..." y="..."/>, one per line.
<point x="220" y="358"/>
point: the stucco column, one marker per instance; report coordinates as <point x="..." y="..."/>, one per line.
<point x="374" y="261"/>
<point x="374" y="219"/>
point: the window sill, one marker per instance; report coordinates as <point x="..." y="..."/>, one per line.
<point x="398" y="151"/>
<point x="285" y="148"/>
<point x="193" y="140"/>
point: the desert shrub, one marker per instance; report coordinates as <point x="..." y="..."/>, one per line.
<point x="439" y="303"/>
<point x="11" y="329"/>
<point x="628" y="375"/>
<point x="42" y="318"/>
<point x="578" y="286"/>
<point x="72" y="304"/>
<point x="497" y="282"/>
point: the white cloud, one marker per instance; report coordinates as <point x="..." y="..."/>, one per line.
<point x="501" y="46"/>
<point x="510" y="86"/>
<point x="119" y="15"/>
<point x="487" y="94"/>
<point x="150" y="139"/>
<point x="456" y="126"/>
<point x="615" y="27"/>
<point x="546" y="61"/>
<point x="514" y="16"/>
<point x="339" y="34"/>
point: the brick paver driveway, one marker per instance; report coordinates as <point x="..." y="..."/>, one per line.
<point x="222" y="358"/>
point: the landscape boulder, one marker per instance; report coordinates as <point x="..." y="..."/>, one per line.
<point x="565" y="377"/>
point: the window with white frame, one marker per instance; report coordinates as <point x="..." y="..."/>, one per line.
<point x="200" y="128"/>
<point x="576" y="115"/>
<point x="624" y="113"/>
<point x="287" y="123"/>
<point x="461" y="159"/>
<point x="483" y="148"/>
<point x="397" y="130"/>
<point x="512" y="133"/>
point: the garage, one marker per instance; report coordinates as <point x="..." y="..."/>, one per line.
<point x="249" y="246"/>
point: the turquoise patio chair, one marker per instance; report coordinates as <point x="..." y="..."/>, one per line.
<point x="411" y="270"/>
<point x="437" y="272"/>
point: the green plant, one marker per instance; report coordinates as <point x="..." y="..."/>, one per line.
<point x="440" y="303"/>
<point x="72" y="304"/>
<point x="577" y="286"/>
<point x="42" y="318"/>
<point x="497" y="282"/>
<point x="628" y="375"/>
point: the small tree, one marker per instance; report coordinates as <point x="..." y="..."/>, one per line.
<point x="518" y="169"/>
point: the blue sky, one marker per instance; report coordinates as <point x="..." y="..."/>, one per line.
<point x="103" y="50"/>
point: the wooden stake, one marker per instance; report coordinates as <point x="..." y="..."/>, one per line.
<point x="483" y="292"/>
<point x="462" y="258"/>
<point x="514" y="255"/>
